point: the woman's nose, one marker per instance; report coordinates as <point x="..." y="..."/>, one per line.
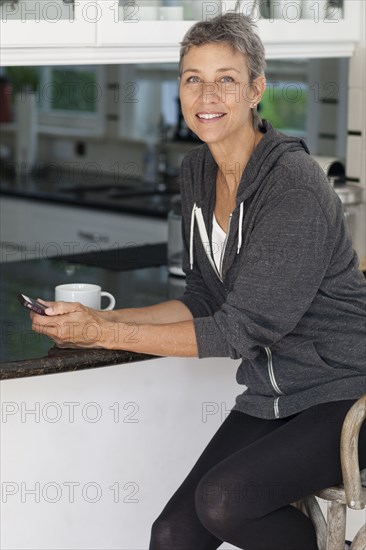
<point x="211" y="92"/>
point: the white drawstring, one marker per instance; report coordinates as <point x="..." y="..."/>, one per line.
<point x="240" y="230"/>
<point x="205" y="239"/>
<point x="204" y="236"/>
<point x="191" y="236"/>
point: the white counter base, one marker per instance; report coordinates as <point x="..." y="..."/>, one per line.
<point x="149" y="434"/>
<point x="104" y="450"/>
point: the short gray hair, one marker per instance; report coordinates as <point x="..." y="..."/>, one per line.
<point x="237" y="30"/>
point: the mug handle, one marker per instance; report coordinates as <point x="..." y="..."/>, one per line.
<point x="112" y="301"/>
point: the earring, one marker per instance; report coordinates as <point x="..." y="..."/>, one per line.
<point x="254" y="105"/>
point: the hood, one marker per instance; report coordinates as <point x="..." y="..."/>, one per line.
<point x="272" y="146"/>
<point x="266" y="154"/>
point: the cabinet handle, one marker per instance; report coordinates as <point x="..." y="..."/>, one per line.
<point x="93" y="237"/>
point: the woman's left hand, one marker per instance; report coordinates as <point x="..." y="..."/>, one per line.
<point x="72" y="325"/>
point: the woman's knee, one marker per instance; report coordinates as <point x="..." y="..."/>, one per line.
<point x="161" y="534"/>
<point x="219" y="503"/>
<point x="226" y="499"/>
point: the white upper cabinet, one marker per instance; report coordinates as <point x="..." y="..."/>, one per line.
<point x="43" y="24"/>
<point x="324" y="31"/>
<point x="131" y="31"/>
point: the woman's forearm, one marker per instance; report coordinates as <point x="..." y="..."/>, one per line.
<point x="71" y="324"/>
<point x="171" y="311"/>
<point x="176" y="339"/>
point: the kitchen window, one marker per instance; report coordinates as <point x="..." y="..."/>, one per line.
<point x="306" y="98"/>
<point x="70" y="99"/>
<point x="285" y="100"/>
<point x="155" y="93"/>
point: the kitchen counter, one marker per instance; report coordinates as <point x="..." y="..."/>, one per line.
<point x="116" y="430"/>
<point x="26" y="353"/>
<point x="99" y="191"/>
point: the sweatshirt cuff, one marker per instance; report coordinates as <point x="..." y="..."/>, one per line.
<point x="211" y="341"/>
<point x="195" y="306"/>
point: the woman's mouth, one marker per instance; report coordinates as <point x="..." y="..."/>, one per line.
<point x="209" y="117"/>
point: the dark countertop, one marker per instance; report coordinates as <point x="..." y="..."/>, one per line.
<point x="99" y="191"/>
<point x="26" y="353"/>
<point x="59" y="360"/>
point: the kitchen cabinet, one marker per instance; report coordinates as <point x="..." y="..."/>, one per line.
<point x="285" y="37"/>
<point x="100" y="34"/>
<point x="34" y="24"/>
<point x="32" y="230"/>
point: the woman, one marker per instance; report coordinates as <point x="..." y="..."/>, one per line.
<point x="271" y="278"/>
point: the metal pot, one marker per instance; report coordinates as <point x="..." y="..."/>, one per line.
<point x="349" y="194"/>
<point x="333" y="168"/>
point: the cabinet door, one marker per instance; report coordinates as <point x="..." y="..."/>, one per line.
<point x="309" y="28"/>
<point x="289" y="29"/>
<point x="32" y="230"/>
<point x="37" y="23"/>
<point x="125" y="25"/>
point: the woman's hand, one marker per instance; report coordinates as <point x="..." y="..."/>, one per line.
<point x="72" y="325"/>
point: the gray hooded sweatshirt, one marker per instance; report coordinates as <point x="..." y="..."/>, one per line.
<point x="291" y="301"/>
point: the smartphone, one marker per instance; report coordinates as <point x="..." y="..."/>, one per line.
<point x="32" y="304"/>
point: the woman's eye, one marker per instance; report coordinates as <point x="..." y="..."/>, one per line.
<point x="227" y="79"/>
<point x="193" y="79"/>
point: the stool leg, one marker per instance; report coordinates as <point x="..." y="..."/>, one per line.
<point x="300" y="505"/>
<point x="316" y="515"/>
<point x="359" y="542"/>
<point x="336" y="526"/>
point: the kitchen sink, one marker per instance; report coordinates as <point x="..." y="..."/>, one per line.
<point x="101" y="188"/>
<point x="153" y="194"/>
<point x="159" y="202"/>
<point x="115" y="191"/>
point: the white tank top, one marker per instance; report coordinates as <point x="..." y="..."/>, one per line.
<point x="218" y="243"/>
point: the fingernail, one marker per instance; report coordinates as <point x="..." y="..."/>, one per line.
<point x="49" y="310"/>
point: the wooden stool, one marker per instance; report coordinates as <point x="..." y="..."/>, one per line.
<point x="352" y="493"/>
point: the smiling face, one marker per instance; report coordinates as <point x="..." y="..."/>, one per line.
<point x="215" y="94"/>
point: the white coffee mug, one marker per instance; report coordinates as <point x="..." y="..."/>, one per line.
<point x="84" y="293"/>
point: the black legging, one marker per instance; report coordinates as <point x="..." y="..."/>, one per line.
<point x="241" y="488"/>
